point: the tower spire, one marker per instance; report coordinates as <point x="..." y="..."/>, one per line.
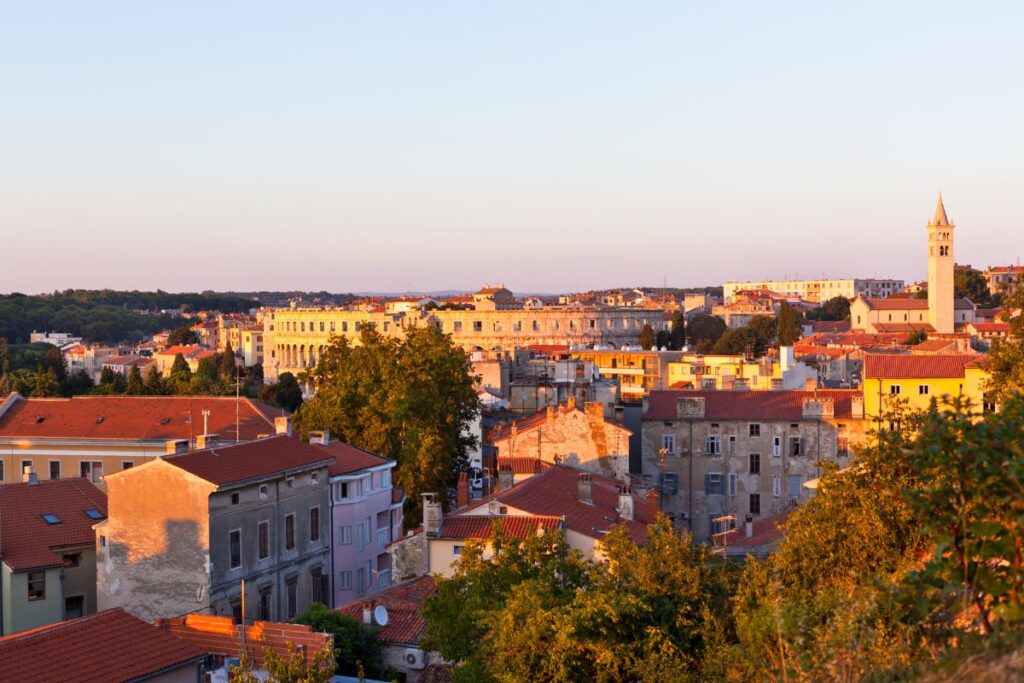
<point x="940" y="214"/>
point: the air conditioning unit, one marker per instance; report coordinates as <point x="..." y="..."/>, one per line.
<point x="415" y="658"/>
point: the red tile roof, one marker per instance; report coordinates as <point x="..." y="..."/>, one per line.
<point x="749" y="405"/>
<point x="27" y="541"/>
<point x="135" y="418"/>
<point x="934" y="346"/>
<point x="897" y="366"/>
<point x="767" y="530"/>
<point x="188" y="350"/>
<point x="831" y="326"/>
<point x="991" y="327"/>
<point x="348" y="458"/>
<point x="554" y="493"/>
<point x="405" y="624"/>
<point x="482" y="526"/>
<point x="897" y="304"/>
<point x="104" y="647"/>
<point x="253" y="460"/>
<point x="522" y="465"/>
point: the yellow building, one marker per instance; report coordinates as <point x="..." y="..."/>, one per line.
<point x="917" y="380"/>
<point x="739" y="372"/>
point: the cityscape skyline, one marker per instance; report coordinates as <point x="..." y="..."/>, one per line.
<point x="554" y="148"/>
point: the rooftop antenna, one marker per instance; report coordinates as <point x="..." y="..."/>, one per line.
<point x="238" y="381"/>
<point x="206" y="417"/>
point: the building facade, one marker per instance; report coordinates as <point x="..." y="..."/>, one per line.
<point x="819" y="291"/>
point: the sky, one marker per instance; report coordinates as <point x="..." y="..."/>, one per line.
<point x="549" y="146"/>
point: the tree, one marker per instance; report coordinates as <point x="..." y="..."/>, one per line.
<point x="289" y="668"/>
<point x="79" y="383"/>
<point x="285" y="393"/>
<point x="789" y="329"/>
<point x="226" y="364"/>
<point x="356" y="646"/>
<point x="1006" y="358"/>
<point x="836" y="308"/>
<point x="663" y="340"/>
<point x="135" y="386"/>
<point x="410" y="400"/>
<point x="182" y="336"/>
<point x="154" y="382"/>
<point x="111" y="382"/>
<point x="647" y="337"/>
<point x="971" y="284"/>
<point x="677" y="337"/>
<point x="704" y="330"/>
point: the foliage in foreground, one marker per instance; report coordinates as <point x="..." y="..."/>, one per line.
<point x="356" y="648"/>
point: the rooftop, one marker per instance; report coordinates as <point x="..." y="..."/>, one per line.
<point x="405" y="624"/>
<point x="348" y="458"/>
<point x="899" y="366"/>
<point x="108" y="646"/>
<point x="749" y="405"/>
<point x="28" y="540"/>
<point x="135" y="418"/>
<point x="222" y="465"/>
<point x="482" y="526"/>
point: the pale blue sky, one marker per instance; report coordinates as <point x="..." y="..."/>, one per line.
<point x="549" y="145"/>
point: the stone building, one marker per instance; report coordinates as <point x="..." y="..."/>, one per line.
<point x="719" y="453"/>
<point x="819" y="291"/>
<point x="584" y="439"/>
<point x="183" y="532"/>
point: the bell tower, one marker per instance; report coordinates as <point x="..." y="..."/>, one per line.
<point x="940" y="270"/>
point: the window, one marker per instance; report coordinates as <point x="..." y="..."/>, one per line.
<point x="314" y="524"/>
<point x="345" y="581"/>
<point x="341" y="490"/>
<point x="93" y="513"/>
<point x="322" y="326"/>
<point x="732" y="445"/>
<point x="315" y="477"/>
<point x="37" y="585"/>
<point x="755" y="503"/>
<point x="457" y="550"/>
<point x="843" y="446"/>
<point x="54" y="470"/>
<point x="91" y="470"/>
<point x="264" y="537"/>
<point x="51" y="518"/>
<point x="713" y="445"/>
<point x="894" y="390"/>
<point x="235" y="549"/>
<point x="755" y="430"/>
<point x="776" y="487"/>
<point x="71" y="561"/>
<point x="668" y="443"/>
<point x="796" y="446"/>
<point x="732" y="484"/>
<point x="103" y="541"/>
<point x="457" y="326"/>
<point x="794" y="485"/>
<point x="316" y="585"/>
<point x="234" y="499"/>
<point x="264" y="607"/>
<point x="127" y="464"/>
<point x="289" y="532"/>
<point x="776" y="447"/>
<point x="292" y="595"/>
<point x="360" y="535"/>
<point x="264" y="492"/>
<point x="478" y="326"/>
<point x="360" y="580"/>
<point x="26" y="465"/>
<point x="385" y="479"/>
<point x="236" y="610"/>
<point x="74" y="606"/>
<point x="369" y="530"/>
<point x="922" y="390"/>
<point x="713" y="484"/>
<point x="755" y="463"/>
<point x="344" y="535"/>
<point x="289" y="482"/>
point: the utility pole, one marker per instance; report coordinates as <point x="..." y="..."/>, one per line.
<point x="206" y="424"/>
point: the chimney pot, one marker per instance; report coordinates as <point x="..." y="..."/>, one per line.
<point x="175" y="446"/>
<point x="283" y="425"/>
<point x="320" y="437"/>
<point x="585" y="487"/>
<point x="367" y="613"/>
<point x="207" y="441"/>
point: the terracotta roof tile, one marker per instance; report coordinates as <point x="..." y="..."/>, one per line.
<point x="522" y="465"/>
<point x="348" y="458"/>
<point x="749" y="405"/>
<point x="402" y="601"/>
<point x="253" y="460"/>
<point x="897" y="304"/>
<point x="135" y="417"/>
<point x="482" y="526"/>
<point x="897" y="366"/>
<point x="105" y="647"/>
<point x="27" y="541"/>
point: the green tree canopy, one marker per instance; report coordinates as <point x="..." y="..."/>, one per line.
<point x="356" y="648"/>
<point x="789" y="328"/>
<point x="182" y="336"/>
<point x="704" y="330"/>
<point x="647" y="337"/>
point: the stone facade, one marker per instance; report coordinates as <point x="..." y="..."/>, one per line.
<point x="583" y="439"/>
<point x="819" y="291"/>
<point x="734" y="453"/>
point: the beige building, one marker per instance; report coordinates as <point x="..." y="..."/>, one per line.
<point x="722" y="454"/>
<point x="583" y="439"/>
<point x="720" y="371"/>
<point x="818" y="291"/>
<point x="1001" y="278"/>
<point x="295" y="337"/>
<point x="636" y="371"/>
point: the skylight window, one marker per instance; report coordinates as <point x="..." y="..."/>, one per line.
<point x="51" y="518"/>
<point x="93" y="513"/>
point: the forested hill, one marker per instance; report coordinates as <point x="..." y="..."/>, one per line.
<point x="105" y="315"/>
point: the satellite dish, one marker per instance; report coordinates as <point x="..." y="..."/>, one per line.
<point x="380" y="615"/>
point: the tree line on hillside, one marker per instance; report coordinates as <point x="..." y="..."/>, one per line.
<point x="104" y="316"/>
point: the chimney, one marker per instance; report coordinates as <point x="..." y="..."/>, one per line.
<point x="620" y="414"/>
<point x="786" y="358"/>
<point x="28" y="475"/>
<point x="748" y="526"/>
<point x="432" y="515"/>
<point x="811" y="383"/>
<point x="320" y="437"/>
<point x="570" y="403"/>
<point x="175" y="446"/>
<point x="550" y="414"/>
<point x="283" y="425"/>
<point x="207" y="441"/>
<point x="462" y="491"/>
<point x="651" y="505"/>
<point x="506" y="476"/>
<point x="857" y="407"/>
<point x="584" y="487"/>
<point x="626" y="502"/>
<point x="367" y="613"/>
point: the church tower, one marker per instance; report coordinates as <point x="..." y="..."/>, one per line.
<point x="940" y="270"/>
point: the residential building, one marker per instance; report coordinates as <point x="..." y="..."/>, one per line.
<point x="192" y="353"/>
<point x="581" y="438"/>
<point x="91" y="436"/>
<point x="58" y="339"/>
<point x="88" y="359"/>
<point x="717" y="454"/>
<point x="123" y="364"/>
<point x="918" y="380"/>
<point x="819" y="291"/>
<point x="366" y="516"/>
<point x="636" y="371"/>
<point x="109" y="646"/>
<point x="736" y="371"/>
<point x="1001" y="278"/>
<point x="185" y="531"/>
<point x="47" y="552"/>
<point x="400" y="636"/>
<point x="250" y="347"/>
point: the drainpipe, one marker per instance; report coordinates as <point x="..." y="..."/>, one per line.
<point x="330" y="506"/>
<point x="277" y="546"/>
<point x="690" y="520"/>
